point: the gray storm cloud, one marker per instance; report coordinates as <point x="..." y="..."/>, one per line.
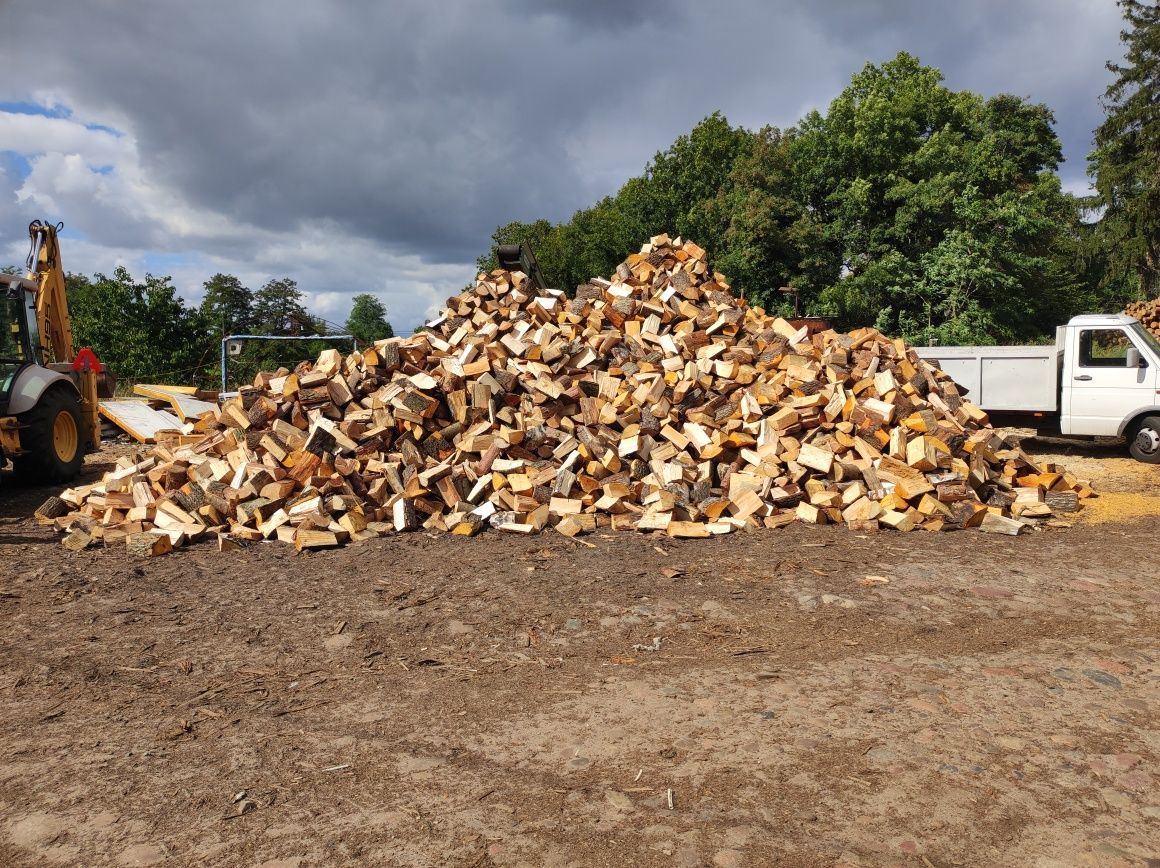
<point x="416" y="128"/>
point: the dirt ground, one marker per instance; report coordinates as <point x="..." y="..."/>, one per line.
<point x="805" y="696"/>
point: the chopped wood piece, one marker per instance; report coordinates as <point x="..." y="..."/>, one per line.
<point x="52" y="509"/>
<point x="687" y="529"/>
<point x="227" y="543"/>
<point x="307" y="538"/>
<point x="405" y="516"/>
<point x="897" y="520"/>
<point x="79" y="538"/>
<point x="993" y="523"/>
<point x="815" y="458"/>
<point x="569" y="527"/>
<point x="1062" y="501"/>
<point x="148" y="545"/>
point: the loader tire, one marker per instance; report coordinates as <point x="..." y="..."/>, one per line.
<point x="52" y="440"/>
<point x="1144" y="440"/>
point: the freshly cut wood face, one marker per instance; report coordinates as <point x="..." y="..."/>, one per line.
<point x="655" y="400"/>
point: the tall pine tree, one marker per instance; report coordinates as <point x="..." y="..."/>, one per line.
<point x="1126" y="161"/>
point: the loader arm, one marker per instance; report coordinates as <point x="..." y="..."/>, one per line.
<point x="519" y="257"/>
<point x="52" y="317"/>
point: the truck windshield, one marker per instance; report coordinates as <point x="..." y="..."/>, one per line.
<point x="1147" y="338"/>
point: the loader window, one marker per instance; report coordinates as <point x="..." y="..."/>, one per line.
<point x="1103" y="348"/>
<point x="11" y="345"/>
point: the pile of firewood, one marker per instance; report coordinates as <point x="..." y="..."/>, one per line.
<point x="1148" y="313"/>
<point x="653" y="401"/>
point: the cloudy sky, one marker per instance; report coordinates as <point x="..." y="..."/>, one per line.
<point x="374" y="145"/>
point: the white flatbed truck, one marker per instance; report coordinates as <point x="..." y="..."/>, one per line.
<point x="1101" y="378"/>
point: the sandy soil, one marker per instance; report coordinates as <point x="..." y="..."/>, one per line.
<point x="806" y="696"/>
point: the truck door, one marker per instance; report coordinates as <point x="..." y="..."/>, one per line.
<point x="1100" y="388"/>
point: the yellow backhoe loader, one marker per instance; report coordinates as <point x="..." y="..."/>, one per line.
<point x="48" y="396"/>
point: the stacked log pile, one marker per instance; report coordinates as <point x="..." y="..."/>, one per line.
<point x="652" y="401"/>
<point x="1148" y="313"/>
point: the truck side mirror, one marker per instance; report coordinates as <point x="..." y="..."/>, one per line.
<point x="1132" y="358"/>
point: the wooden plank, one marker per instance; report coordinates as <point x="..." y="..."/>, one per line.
<point x="138" y="419"/>
<point x="181" y="399"/>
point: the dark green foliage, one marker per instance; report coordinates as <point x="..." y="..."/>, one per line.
<point x="279" y="309"/>
<point x="941" y="209"/>
<point x="141" y="330"/>
<point x="686" y="177"/>
<point x="765" y="239"/>
<point x="543" y="237"/>
<point x="368" y="320"/>
<point x="930" y="213"/>
<point x="1127" y="155"/>
<point x="227" y="305"/>
<point x="674" y="195"/>
<point x="145" y="333"/>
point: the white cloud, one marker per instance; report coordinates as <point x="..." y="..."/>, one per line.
<point x="38" y="134"/>
<point x="128" y="216"/>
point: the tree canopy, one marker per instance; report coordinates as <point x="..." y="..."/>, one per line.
<point x="141" y="330"/>
<point x="1126" y="161"/>
<point x="227" y="305"/>
<point x="367" y="322"/>
<point x="280" y="309"/>
<point x="936" y="215"/>
<point x="939" y="210"/>
<point x="144" y="332"/>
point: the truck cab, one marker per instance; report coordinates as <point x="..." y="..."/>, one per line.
<point x="1110" y="378"/>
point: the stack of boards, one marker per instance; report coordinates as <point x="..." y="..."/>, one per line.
<point x="654" y="400"/>
<point x="161" y="412"/>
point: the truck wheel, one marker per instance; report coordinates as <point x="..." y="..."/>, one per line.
<point x="51" y="440"/>
<point x="1144" y="444"/>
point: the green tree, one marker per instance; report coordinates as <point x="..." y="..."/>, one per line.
<point x="1126" y="160"/>
<point x="939" y="211"/>
<point x="228" y="306"/>
<point x="368" y="320"/>
<point x="142" y="331"/>
<point x="762" y="237"/>
<point x="673" y="195"/>
<point x="682" y="179"/>
<point x="279" y="309"/>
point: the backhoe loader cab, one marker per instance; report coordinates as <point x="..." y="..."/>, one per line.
<point x="16" y="350"/>
<point x="48" y="400"/>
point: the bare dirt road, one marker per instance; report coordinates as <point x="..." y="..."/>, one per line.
<point x="805" y="696"/>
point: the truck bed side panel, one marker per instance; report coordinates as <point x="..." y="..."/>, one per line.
<point x="1010" y="379"/>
